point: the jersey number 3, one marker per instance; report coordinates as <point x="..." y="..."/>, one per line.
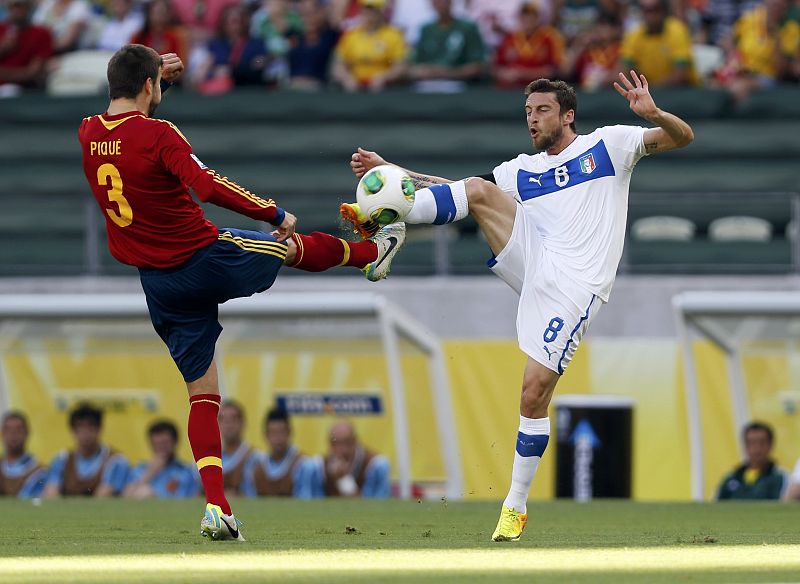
<point x="124" y="217"/>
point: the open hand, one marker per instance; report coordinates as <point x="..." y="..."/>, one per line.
<point x="363" y="160"/>
<point x="286" y="229"/>
<point x="637" y="94"/>
<point x="171" y="67"/>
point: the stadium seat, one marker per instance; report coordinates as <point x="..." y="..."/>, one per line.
<point x="740" y="228"/>
<point x="663" y="228"/>
<point x="80" y="73"/>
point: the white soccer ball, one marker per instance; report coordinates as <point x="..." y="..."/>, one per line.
<point x="385" y="194"/>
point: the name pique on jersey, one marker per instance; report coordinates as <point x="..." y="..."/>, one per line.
<point x="592" y="164"/>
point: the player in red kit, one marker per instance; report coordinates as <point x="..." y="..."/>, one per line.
<point x="140" y="170"/>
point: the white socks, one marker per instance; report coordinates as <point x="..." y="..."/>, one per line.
<point x="440" y="204"/>
<point x="534" y="433"/>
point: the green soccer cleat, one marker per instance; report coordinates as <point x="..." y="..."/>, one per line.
<point x="389" y="241"/>
<point x="218" y="526"/>
<point x="362" y="225"/>
<point x="510" y="525"/>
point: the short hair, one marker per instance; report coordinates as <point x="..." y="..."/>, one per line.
<point x="755" y="426"/>
<point x="565" y="94"/>
<point x="276" y="415"/>
<point x="161" y="426"/>
<point x="86" y="413"/>
<point x="129" y="68"/>
<point x="15" y="415"/>
<point x="229" y="403"/>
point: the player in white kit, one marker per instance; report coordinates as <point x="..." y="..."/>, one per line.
<point x="555" y="222"/>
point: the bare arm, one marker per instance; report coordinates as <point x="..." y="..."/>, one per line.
<point x="671" y="133"/>
<point x="363" y="160"/>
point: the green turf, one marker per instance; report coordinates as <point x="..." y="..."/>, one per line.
<point x="369" y="541"/>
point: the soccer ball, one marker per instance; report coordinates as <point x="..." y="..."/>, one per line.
<point x="385" y="194"/>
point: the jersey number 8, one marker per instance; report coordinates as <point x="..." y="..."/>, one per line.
<point x="551" y="332"/>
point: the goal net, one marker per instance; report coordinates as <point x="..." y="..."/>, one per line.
<point x="746" y="346"/>
<point x="320" y="356"/>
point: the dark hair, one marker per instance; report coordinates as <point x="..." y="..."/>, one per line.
<point x="129" y="68"/>
<point x="86" y="413"/>
<point x="147" y="28"/>
<point x="609" y="19"/>
<point x="276" y="415"/>
<point x="163" y="426"/>
<point x="756" y="426"/>
<point x="565" y="94"/>
<point x="223" y="20"/>
<point x="229" y="403"/>
<point x="14" y="415"/>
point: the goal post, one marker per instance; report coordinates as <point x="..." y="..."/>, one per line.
<point x="363" y="316"/>
<point x="735" y="323"/>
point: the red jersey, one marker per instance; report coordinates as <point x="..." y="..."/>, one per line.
<point x="140" y="170"/>
<point x="33" y="42"/>
<point x="544" y="47"/>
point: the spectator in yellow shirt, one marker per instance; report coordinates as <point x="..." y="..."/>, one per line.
<point x="767" y="43"/>
<point x="372" y="54"/>
<point x="660" y="48"/>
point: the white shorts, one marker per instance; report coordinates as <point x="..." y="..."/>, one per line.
<point x="554" y="311"/>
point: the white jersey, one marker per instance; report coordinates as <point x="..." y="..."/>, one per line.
<point x="578" y="201"/>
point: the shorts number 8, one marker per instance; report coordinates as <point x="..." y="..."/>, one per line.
<point x="551" y="332"/>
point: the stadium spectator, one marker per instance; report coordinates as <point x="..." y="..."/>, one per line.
<point x="273" y="23"/>
<point x="119" y="29"/>
<point x="21" y="475"/>
<point x="793" y="491"/>
<point x="161" y="30"/>
<point x="719" y="16"/>
<point x="233" y="58"/>
<point x="282" y="470"/>
<point x="235" y="450"/>
<point x="532" y="51"/>
<point x="24" y="47"/>
<point x="450" y="52"/>
<point x="593" y="59"/>
<point x="496" y="19"/>
<point x="766" y="48"/>
<point x="758" y="477"/>
<point x="164" y="476"/>
<point x="92" y="468"/>
<point x="660" y="48"/>
<point x="67" y="21"/>
<point x="311" y="50"/>
<point x="350" y="470"/>
<point x="371" y="55"/>
<point x="344" y="14"/>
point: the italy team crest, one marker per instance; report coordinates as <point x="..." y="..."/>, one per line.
<point x="587" y="164"/>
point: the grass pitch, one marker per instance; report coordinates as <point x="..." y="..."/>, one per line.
<point x="342" y="541"/>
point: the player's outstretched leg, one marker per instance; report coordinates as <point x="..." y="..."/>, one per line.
<point x="440" y="204"/>
<point x="218" y="522"/>
<point x="532" y="437"/>
<point x="318" y="252"/>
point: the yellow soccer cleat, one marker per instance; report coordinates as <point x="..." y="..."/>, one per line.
<point x="362" y="225"/>
<point x="510" y="526"/>
<point x="218" y="526"/>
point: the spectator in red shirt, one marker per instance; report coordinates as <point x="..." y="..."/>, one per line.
<point x="161" y="30"/>
<point x="534" y="50"/>
<point x="24" y="48"/>
<point x="592" y="60"/>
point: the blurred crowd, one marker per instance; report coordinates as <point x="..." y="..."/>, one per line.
<point x="430" y="45"/>
<point x="91" y="467"/>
